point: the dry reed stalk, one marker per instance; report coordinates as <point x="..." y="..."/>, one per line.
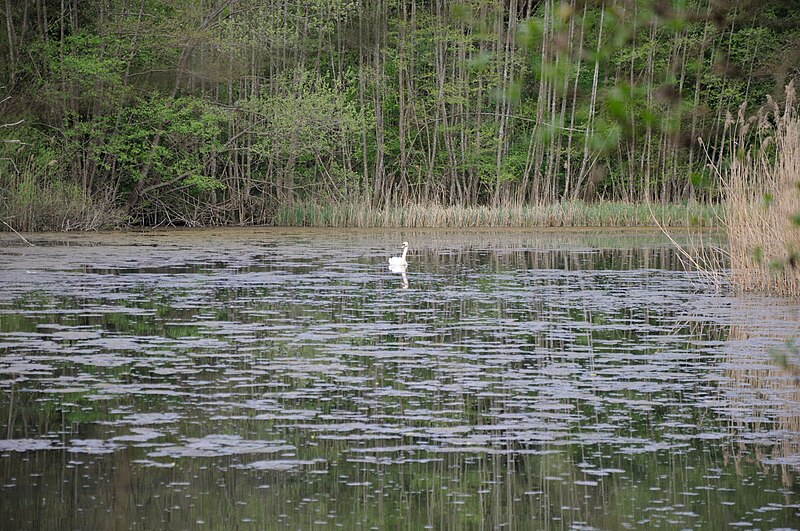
<point x="567" y="214"/>
<point x="763" y="201"/>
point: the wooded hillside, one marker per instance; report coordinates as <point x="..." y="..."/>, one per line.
<point x="217" y="111"/>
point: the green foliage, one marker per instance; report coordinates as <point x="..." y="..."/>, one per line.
<point x="83" y="70"/>
<point x="305" y="130"/>
<point x="307" y="121"/>
<point x="179" y="106"/>
<point x="35" y="196"/>
<point x="190" y="133"/>
<point x="606" y="136"/>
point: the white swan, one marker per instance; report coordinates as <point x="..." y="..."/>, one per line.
<point x="400" y="260"/>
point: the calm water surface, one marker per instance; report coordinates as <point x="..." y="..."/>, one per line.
<point x="256" y="379"/>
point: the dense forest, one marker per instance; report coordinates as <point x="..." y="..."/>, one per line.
<point x="199" y="112"/>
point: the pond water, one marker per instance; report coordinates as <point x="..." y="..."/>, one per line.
<point x="256" y="379"/>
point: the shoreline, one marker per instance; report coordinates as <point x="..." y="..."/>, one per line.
<point x="562" y="215"/>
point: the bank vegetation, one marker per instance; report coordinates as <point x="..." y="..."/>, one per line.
<point x="762" y="198"/>
<point x="378" y="112"/>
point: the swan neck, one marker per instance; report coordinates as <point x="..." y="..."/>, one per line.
<point x="405" y="252"/>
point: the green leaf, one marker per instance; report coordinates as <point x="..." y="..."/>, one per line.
<point x="699" y="180"/>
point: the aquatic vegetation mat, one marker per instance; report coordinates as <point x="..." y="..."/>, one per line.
<point x="278" y="378"/>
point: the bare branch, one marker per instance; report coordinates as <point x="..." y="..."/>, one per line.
<point x="17" y="233"/>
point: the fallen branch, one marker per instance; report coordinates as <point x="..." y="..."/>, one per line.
<point x="17" y="233"/>
<point x="12" y="125"/>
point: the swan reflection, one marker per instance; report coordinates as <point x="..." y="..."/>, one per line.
<point x="394" y="268"/>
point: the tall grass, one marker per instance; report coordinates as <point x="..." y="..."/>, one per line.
<point x="762" y="191"/>
<point x="33" y="199"/>
<point x="564" y="214"/>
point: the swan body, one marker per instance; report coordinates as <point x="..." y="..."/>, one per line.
<point x="400" y="261"/>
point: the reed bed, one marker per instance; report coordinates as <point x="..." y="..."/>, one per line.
<point x="763" y="200"/>
<point x="58" y="207"/>
<point x="32" y="200"/>
<point x="564" y="214"/>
